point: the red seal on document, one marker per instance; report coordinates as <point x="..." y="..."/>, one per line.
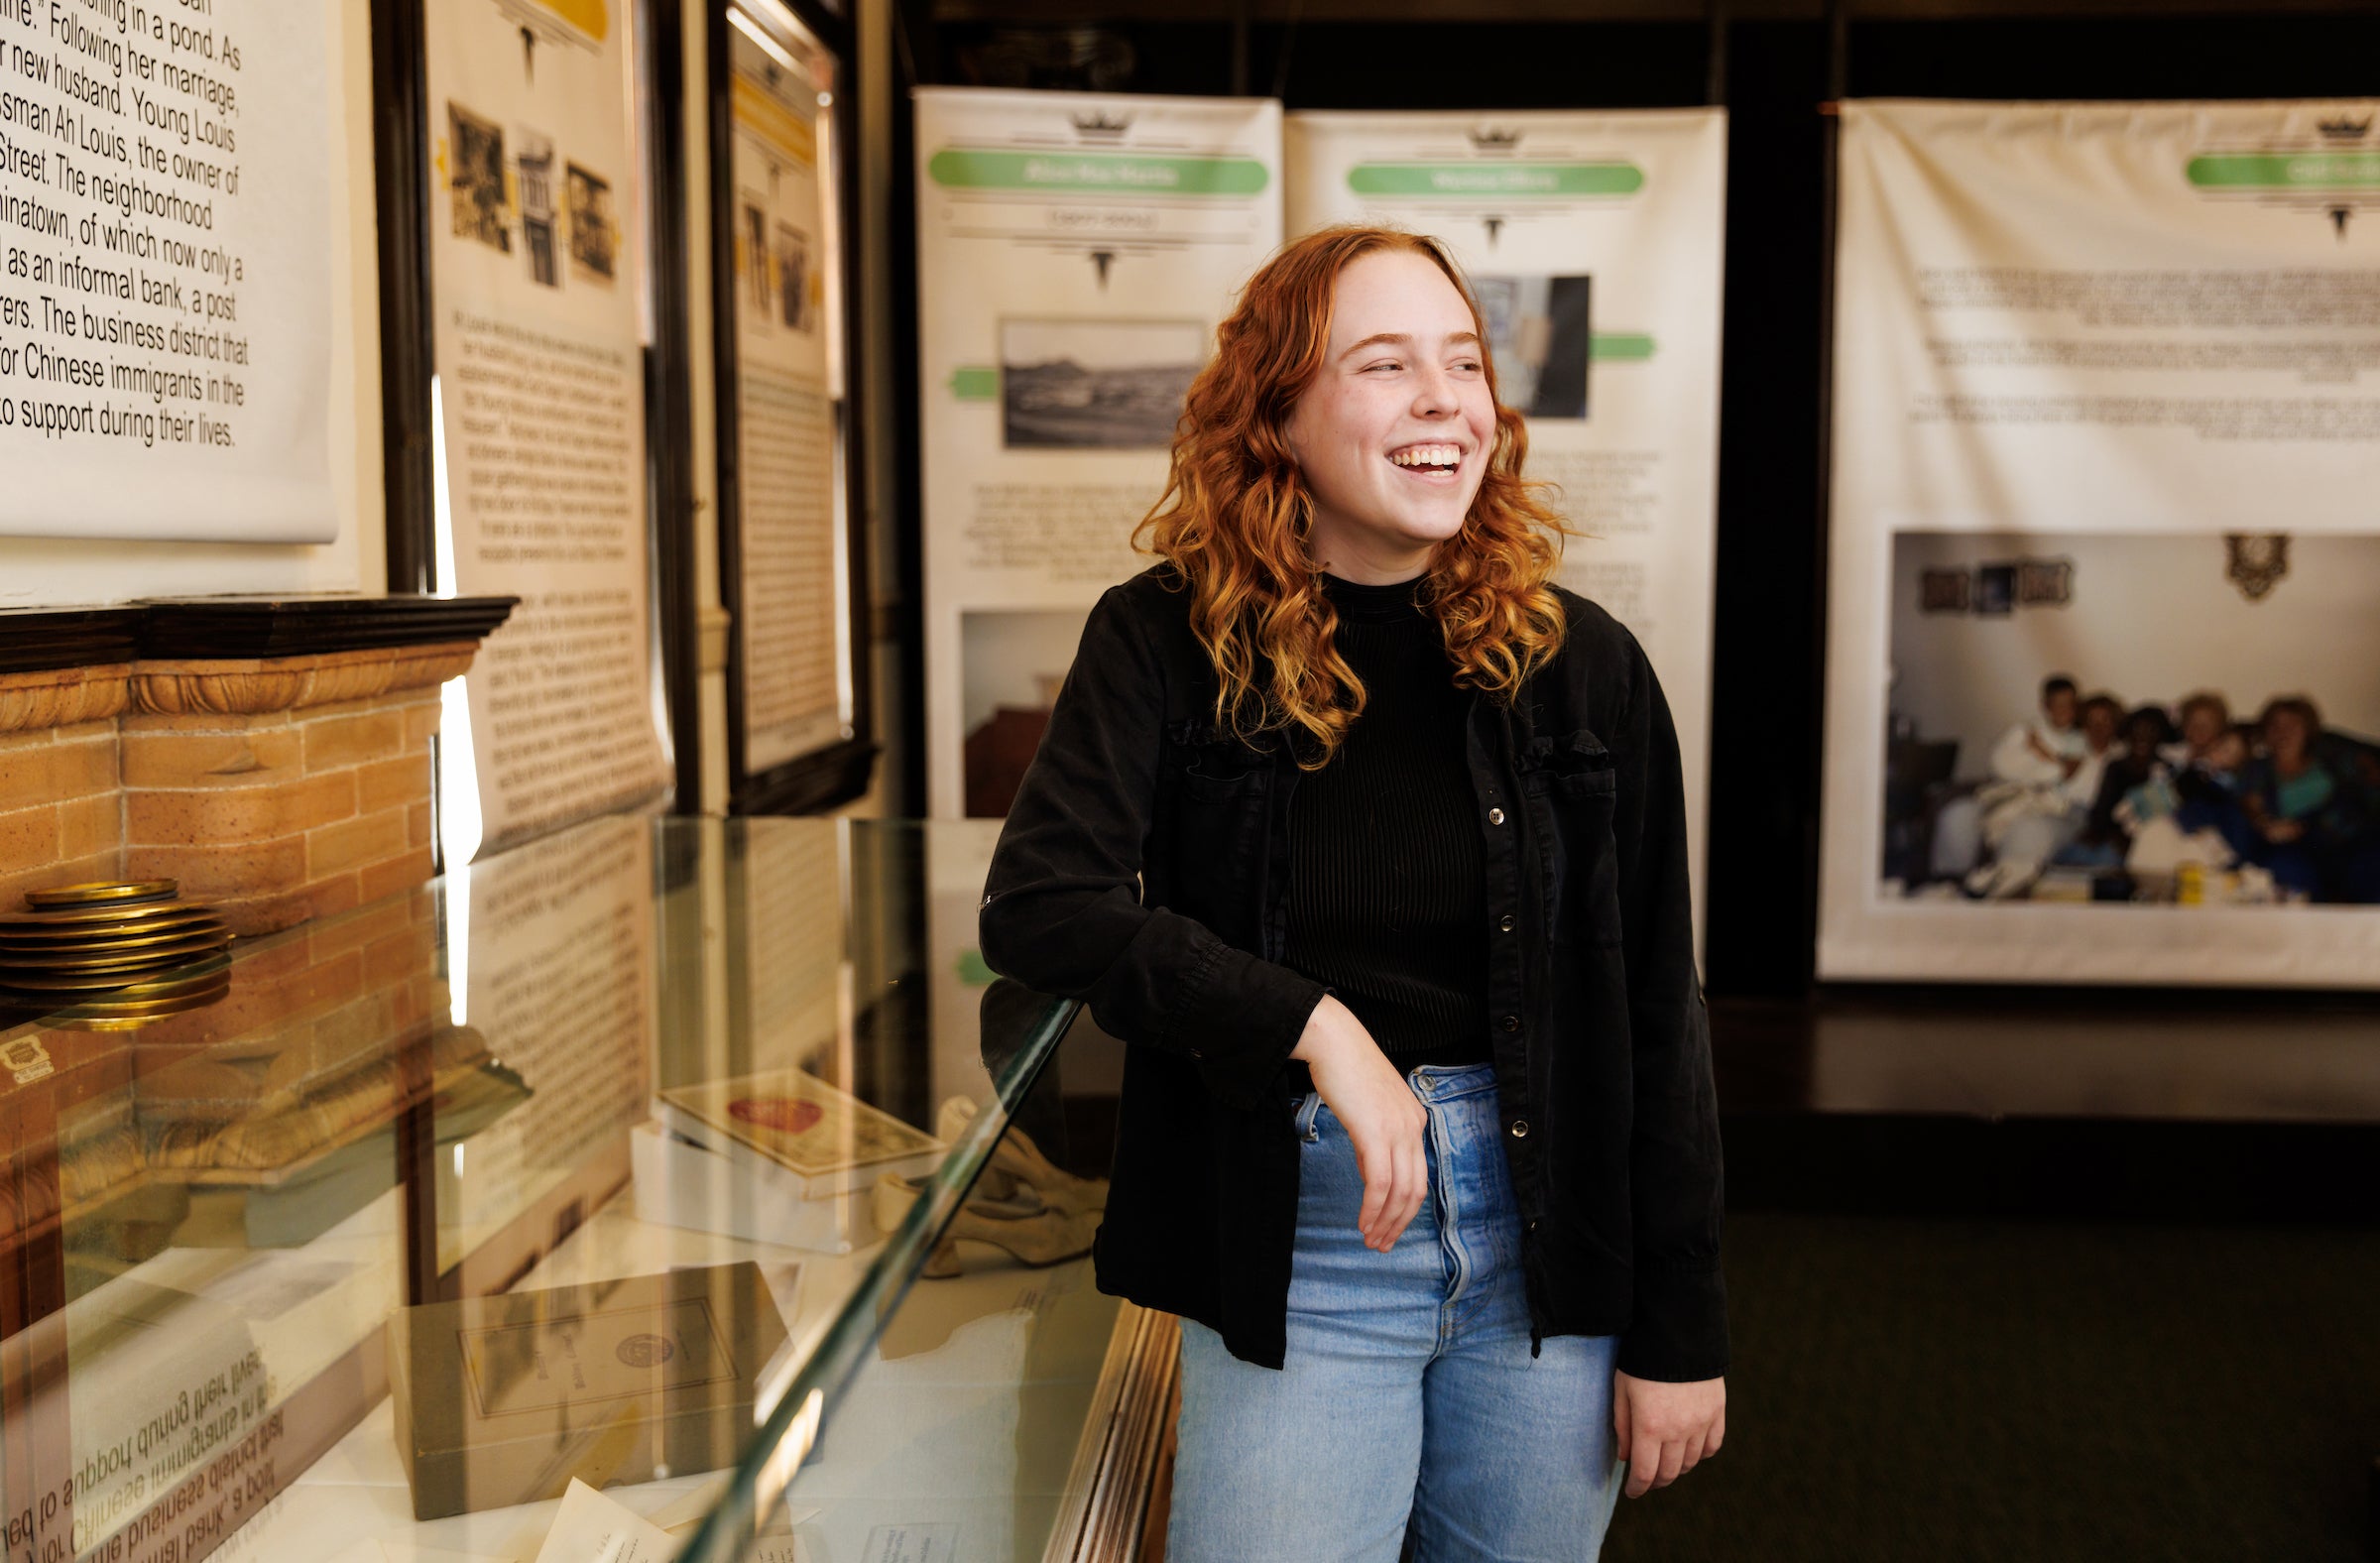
<point x="788" y="1115"/>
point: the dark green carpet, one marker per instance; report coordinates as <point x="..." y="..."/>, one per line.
<point x="2002" y="1391"/>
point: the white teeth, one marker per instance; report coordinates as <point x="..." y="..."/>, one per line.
<point x="1427" y="456"/>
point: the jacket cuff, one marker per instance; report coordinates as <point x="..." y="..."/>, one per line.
<point x="1241" y="1021"/>
<point x="1679" y="1331"/>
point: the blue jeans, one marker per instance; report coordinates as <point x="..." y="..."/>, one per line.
<point x="1409" y="1395"/>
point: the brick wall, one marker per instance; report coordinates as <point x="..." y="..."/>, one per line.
<point x="60" y="815"/>
<point x="276" y="789"/>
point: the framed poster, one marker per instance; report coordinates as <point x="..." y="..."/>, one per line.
<point x="791" y="552"/>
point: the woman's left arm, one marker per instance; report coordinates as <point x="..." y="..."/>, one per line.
<point x="1669" y="1402"/>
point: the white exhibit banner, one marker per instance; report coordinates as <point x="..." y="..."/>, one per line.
<point x="1594" y="243"/>
<point x="793" y="608"/>
<point x="540" y="385"/>
<point x="1075" y="253"/>
<point x="2103" y="665"/>
<point x="165" y="255"/>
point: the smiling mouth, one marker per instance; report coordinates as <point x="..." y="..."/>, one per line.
<point x="1435" y="456"/>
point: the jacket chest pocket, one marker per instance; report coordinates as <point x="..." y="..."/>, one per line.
<point x="1210" y="765"/>
<point x="1214" y="805"/>
<point x="1569" y="786"/>
<point x="1206" y="764"/>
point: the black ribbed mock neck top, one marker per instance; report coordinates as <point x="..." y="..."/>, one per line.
<point x="1387" y="870"/>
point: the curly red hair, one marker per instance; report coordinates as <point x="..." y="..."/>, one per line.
<point x="1235" y="516"/>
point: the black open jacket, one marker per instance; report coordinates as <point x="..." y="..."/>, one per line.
<point x="1144" y="868"/>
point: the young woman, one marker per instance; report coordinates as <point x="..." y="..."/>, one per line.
<point x="1371" y="842"/>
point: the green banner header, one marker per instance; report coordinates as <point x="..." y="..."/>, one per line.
<point x="2285" y="170"/>
<point x="1115" y="173"/>
<point x="1495" y="180"/>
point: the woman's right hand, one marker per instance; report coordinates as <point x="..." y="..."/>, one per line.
<point x="1384" y="1119"/>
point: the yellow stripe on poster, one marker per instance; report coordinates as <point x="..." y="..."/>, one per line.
<point x="767" y="118"/>
<point x="591" y="17"/>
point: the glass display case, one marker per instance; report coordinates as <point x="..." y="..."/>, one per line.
<point x="682" y="1174"/>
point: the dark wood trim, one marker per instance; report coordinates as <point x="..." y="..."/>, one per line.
<point x="39" y="640"/>
<point x="205" y="628"/>
<point x="840" y="771"/>
<point x="915" y="59"/>
<point x="235" y="629"/>
<point x="670" y="399"/>
<point x="727" y="401"/>
<point x="400" y="193"/>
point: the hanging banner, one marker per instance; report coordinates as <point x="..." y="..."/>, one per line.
<point x="1075" y="253"/>
<point x="2103" y="669"/>
<point x="793" y="597"/>
<point x="165" y="255"/>
<point x="541" y="381"/>
<point x="1594" y="243"/>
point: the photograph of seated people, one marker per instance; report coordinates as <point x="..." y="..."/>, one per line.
<point x="2082" y="799"/>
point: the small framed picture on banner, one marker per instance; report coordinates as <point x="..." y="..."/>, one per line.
<point x="2045" y="583"/>
<point x="1995" y="588"/>
<point x="1945" y="591"/>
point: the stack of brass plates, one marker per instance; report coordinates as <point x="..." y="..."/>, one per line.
<point x="121" y="955"/>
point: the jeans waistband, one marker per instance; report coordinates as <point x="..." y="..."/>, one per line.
<point x="1431" y="1082"/>
<point x="1452" y="1082"/>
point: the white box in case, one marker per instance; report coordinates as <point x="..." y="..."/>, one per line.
<point x="682" y="1184"/>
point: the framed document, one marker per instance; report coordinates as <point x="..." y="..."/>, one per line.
<point x="790" y="560"/>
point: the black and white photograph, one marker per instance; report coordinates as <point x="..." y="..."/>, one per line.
<point x="475" y="178"/>
<point x="1538" y="327"/>
<point x="534" y="180"/>
<point x="1096" y="385"/>
<point x="2134" y="726"/>
<point x="753" y="249"/>
<point x="792" y="277"/>
<point x="594" y="226"/>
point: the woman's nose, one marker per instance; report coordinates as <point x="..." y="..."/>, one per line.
<point x="1433" y="391"/>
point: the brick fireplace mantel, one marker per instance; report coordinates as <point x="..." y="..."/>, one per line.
<point x="269" y="752"/>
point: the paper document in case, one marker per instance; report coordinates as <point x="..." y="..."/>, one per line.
<point x="797" y="1120"/>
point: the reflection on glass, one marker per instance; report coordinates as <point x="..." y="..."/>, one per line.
<point x="714" y="1171"/>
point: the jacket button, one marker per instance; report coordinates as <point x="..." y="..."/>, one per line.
<point x="1520" y="1128"/>
<point x="1511" y="1023"/>
<point x="1504" y="923"/>
<point x="1496" y="816"/>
